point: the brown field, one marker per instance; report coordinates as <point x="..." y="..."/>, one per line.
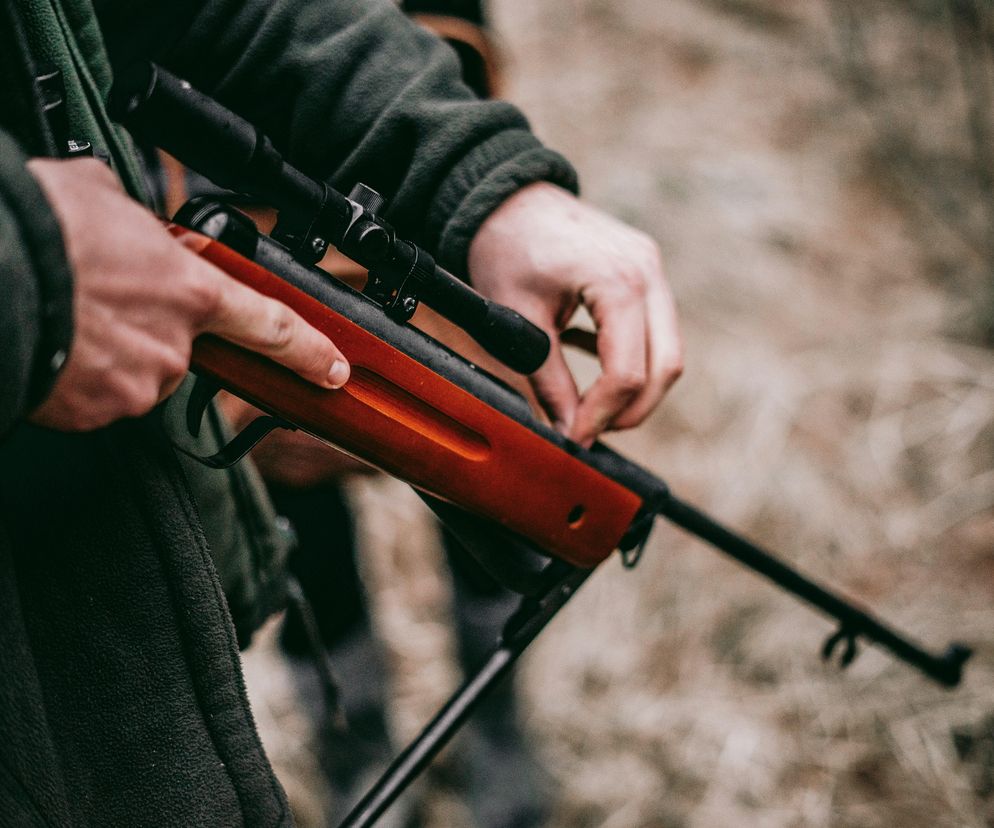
<point x="818" y="175"/>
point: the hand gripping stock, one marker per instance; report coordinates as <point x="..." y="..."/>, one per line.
<point x="409" y="419"/>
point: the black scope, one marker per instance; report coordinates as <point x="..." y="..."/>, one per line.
<point x="162" y="110"/>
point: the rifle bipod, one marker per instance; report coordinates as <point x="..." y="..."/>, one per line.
<point x="520" y="630"/>
<point x="562" y="582"/>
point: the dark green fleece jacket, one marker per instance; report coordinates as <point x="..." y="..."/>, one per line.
<point x="121" y="697"/>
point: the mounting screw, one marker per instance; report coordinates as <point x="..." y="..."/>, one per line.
<point x="409" y="305"/>
<point x="319" y="245"/>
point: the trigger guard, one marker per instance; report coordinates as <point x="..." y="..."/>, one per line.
<point x="239" y="445"/>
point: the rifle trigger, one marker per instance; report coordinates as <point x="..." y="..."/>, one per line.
<point x="833" y="641"/>
<point x="204" y="390"/>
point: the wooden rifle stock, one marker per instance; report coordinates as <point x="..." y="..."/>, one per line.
<point x="412" y="422"/>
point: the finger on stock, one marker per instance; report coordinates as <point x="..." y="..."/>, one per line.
<point x="555" y="387"/>
<point x="622" y="349"/>
<point x="268" y="327"/>
<point x="664" y="349"/>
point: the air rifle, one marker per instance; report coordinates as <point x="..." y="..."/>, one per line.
<point x="538" y="511"/>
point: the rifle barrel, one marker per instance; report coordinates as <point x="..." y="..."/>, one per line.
<point x="946" y="668"/>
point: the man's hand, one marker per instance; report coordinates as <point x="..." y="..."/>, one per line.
<point x="544" y="252"/>
<point x="141" y="297"/>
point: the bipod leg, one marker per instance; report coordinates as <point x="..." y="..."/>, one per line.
<point x="945" y="667"/>
<point x="518" y="633"/>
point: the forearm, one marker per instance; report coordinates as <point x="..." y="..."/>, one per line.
<point x="355" y="92"/>
<point x="36" y="311"/>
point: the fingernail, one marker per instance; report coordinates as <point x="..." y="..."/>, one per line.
<point x="193" y="241"/>
<point x="339" y="374"/>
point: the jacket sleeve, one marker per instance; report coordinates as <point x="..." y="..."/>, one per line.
<point x="351" y="91"/>
<point x="36" y="285"/>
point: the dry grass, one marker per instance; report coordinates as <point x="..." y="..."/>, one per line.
<point x="809" y="171"/>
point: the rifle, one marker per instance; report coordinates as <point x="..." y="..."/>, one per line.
<point x="538" y="511"/>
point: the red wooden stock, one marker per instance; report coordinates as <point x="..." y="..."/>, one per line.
<point x="400" y="416"/>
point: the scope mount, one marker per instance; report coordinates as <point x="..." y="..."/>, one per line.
<point x="165" y="111"/>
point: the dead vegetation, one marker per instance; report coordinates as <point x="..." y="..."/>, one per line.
<point x="818" y="175"/>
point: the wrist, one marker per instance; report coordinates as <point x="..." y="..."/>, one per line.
<point x="480" y="184"/>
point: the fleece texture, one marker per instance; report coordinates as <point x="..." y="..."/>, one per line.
<point x="116" y="644"/>
<point x="121" y="696"/>
<point x="351" y="92"/>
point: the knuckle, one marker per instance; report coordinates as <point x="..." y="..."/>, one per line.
<point x="315" y="364"/>
<point x="632" y="284"/>
<point x="176" y="363"/>
<point x="280" y="326"/>
<point x="168" y="388"/>
<point x="142" y="399"/>
<point x="639" y="286"/>
<point x="627" y="383"/>
<point x="127" y="402"/>
<point x="650" y="256"/>
<point x="133" y="408"/>
<point x="321" y="359"/>
<point x="315" y="371"/>
<point x="203" y="293"/>
<point x="131" y="395"/>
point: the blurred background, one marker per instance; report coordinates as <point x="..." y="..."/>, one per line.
<point x="819" y="176"/>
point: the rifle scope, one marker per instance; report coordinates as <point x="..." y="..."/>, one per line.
<point x="165" y="111"/>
